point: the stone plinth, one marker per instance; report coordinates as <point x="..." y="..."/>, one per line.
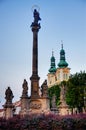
<point x="24" y="106"/>
<point x="63" y="110"/>
<point x="8" y="110"/>
<point x="39" y="106"/>
<point x="54" y="109"/>
<point x="8" y="107"/>
<point x="63" y="107"/>
<point x="24" y="99"/>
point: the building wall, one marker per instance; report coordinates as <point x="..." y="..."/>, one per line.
<point x="61" y="74"/>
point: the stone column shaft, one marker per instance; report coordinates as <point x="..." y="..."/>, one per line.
<point x="35" y="53"/>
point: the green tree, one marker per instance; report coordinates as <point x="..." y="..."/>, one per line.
<point x="76" y="87"/>
<point x="54" y="90"/>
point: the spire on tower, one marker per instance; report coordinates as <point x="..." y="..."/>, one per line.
<point x="53" y="66"/>
<point x="62" y="44"/>
<point x="52" y="52"/>
<point x="62" y="63"/>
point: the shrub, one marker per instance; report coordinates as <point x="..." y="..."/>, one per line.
<point x="44" y="122"/>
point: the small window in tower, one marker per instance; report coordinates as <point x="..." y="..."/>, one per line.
<point x="59" y="76"/>
<point x="50" y="82"/>
<point x="66" y="77"/>
<point x="55" y="78"/>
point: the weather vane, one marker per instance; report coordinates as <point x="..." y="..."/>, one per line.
<point x="62" y="43"/>
<point x="52" y="52"/>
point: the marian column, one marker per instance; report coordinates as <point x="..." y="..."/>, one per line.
<point x="35" y="26"/>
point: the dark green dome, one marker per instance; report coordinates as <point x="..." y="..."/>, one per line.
<point x="62" y="62"/>
<point x="52" y="69"/>
<point x="53" y="66"/>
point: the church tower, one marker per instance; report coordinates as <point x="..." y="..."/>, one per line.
<point x="53" y="65"/>
<point x="61" y="73"/>
<point x="52" y="71"/>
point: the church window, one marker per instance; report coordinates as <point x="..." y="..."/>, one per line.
<point x="58" y="76"/>
<point x="66" y="76"/>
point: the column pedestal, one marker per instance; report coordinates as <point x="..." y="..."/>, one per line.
<point x="8" y="110"/>
<point x="24" y="106"/>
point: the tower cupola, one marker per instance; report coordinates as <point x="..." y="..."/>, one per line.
<point x="62" y="63"/>
<point x="53" y="66"/>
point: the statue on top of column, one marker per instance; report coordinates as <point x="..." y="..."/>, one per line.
<point x="36" y="18"/>
<point x="8" y="95"/>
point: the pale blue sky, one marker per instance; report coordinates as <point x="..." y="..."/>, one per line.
<point x="61" y="20"/>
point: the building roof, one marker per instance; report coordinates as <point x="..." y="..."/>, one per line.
<point x="62" y="63"/>
<point x="53" y="66"/>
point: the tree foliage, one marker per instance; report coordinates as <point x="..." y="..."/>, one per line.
<point x="54" y="90"/>
<point x="76" y="90"/>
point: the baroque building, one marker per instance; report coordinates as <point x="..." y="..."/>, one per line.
<point x="59" y="74"/>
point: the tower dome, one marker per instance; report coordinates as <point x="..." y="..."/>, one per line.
<point x="53" y="66"/>
<point x="62" y="63"/>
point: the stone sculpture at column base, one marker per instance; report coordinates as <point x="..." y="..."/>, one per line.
<point x="39" y="106"/>
<point x="63" y="110"/>
<point x="54" y="109"/>
<point x="24" y="106"/>
<point x="8" y="107"/>
<point x="24" y="99"/>
<point x="63" y="107"/>
<point x="8" y="110"/>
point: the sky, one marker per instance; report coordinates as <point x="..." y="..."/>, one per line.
<point x="60" y="20"/>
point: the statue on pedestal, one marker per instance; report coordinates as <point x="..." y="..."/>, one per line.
<point x="44" y="89"/>
<point x="53" y="101"/>
<point x="25" y="88"/>
<point x="62" y="93"/>
<point x="53" y="105"/>
<point x="63" y="107"/>
<point x="8" y="95"/>
<point x="8" y="107"/>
